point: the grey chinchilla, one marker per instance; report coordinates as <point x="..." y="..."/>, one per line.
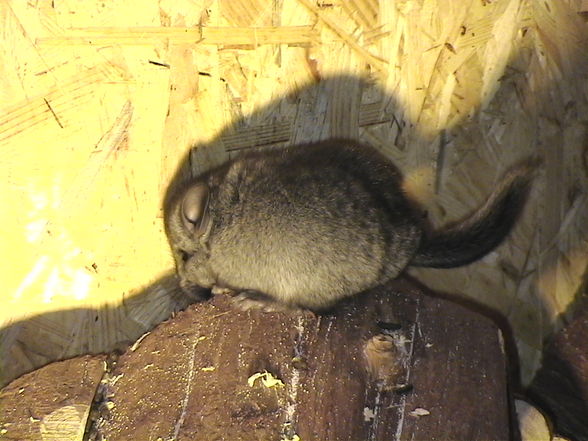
<point x="311" y="224"/>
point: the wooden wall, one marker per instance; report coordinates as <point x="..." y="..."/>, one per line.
<point x="102" y="101"/>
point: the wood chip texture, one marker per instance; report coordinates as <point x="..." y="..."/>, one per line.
<point x="104" y="102"/>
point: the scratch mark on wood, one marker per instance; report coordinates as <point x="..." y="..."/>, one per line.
<point x="158" y="63"/>
<point x="295" y="380"/>
<point x="188" y="389"/>
<point x="408" y="359"/>
<point x="53" y="112"/>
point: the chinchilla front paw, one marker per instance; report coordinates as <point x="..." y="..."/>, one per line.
<point x="253" y="300"/>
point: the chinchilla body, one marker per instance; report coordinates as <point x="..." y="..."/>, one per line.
<point x="311" y="224"/>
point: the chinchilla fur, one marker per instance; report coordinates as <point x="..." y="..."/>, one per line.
<point x="310" y="224"/>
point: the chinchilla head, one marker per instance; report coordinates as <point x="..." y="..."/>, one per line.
<point x="188" y="226"/>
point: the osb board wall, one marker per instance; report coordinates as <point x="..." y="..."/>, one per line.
<point x="103" y="100"/>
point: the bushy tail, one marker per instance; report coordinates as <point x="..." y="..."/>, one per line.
<point x="478" y="234"/>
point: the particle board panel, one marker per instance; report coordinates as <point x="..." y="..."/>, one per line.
<point x="103" y="102"/>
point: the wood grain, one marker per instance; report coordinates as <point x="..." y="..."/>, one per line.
<point x="52" y="403"/>
<point x="195" y="375"/>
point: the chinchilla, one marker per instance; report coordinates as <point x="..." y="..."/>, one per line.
<point x="308" y="225"/>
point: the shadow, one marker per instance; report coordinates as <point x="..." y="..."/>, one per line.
<point x="560" y="387"/>
<point x="39" y="340"/>
<point x="338" y="106"/>
<point x="341" y="106"/>
<point x="509" y="343"/>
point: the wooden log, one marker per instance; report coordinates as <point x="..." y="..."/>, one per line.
<point x="394" y="363"/>
<point x="52" y="403"/>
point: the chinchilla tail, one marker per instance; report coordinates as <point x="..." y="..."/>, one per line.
<point x="474" y="237"/>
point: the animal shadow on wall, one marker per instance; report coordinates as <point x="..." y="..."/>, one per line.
<point x="339" y="106"/>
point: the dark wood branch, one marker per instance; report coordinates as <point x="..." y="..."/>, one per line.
<point x="391" y="364"/>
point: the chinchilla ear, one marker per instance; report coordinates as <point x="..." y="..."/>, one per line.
<point x="195" y="216"/>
